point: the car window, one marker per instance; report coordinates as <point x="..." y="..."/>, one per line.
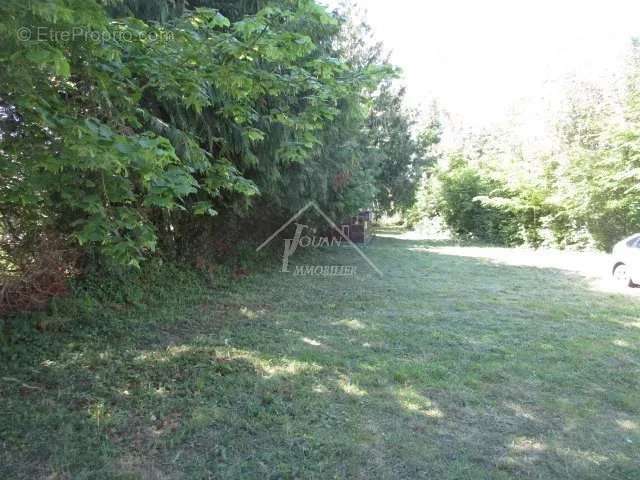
<point x="634" y="241"/>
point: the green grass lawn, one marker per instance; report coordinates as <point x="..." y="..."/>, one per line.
<point x="448" y="367"/>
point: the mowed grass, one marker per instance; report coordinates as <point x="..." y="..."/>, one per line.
<point x="448" y="367"/>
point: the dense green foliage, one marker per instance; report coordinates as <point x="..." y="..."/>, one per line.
<point x="126" y="124"/>
<point x="458" y="191"/>
<point x="583" y="191"/>
<point x="401" y="157"/>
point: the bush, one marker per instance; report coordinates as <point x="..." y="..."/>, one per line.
<point x="458" y="201"/>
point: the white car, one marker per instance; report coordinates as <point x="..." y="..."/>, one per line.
<point x="626" y="261"/>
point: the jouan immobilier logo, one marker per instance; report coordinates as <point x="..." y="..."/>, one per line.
<point x="305" y="237"/>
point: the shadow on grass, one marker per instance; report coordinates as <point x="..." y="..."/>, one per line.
<point x="449" y="367"/>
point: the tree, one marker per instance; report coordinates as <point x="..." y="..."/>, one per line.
<point x="153" y="118"/>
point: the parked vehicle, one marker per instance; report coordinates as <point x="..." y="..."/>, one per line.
<point x="626" y="261"/>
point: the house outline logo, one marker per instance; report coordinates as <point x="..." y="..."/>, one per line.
<point x="314" y="205"/>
